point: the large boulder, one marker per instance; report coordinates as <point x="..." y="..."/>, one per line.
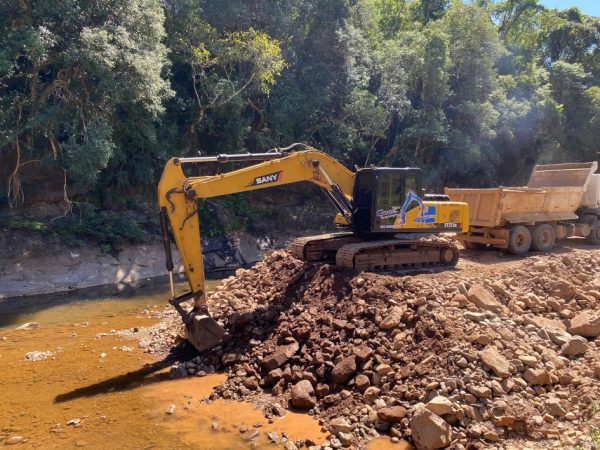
<point x="303" y="395"/>
<point x="280" y="356"/>
<point x="483" y="298"/>
<point x="429" y="431"/>
<point x="344" y="370"/>
<point x="440" y="405"/>
<point x="545" y="323"/>
<point x="495" y="361"/>
<point x="575" y="346"/>
<point x="586" y="324"/>
<point x="393" y="318"/>
<point x="537" y="376"/>
<point x="391" y="414"/>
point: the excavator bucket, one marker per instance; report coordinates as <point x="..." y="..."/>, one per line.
<point x="202" y="331"/>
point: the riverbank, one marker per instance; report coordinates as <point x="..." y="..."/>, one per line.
<point x="39" y="263"/>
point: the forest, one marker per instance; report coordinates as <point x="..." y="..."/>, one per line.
<point x="98" y="94"/>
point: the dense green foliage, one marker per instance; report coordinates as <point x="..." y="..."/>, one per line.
<point x="102" y="92"/>
<point x="109" y="229"/>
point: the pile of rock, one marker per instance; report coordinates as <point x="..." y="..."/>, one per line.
<point x="453" y="358"/>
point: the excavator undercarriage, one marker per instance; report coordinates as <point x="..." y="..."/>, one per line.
<point x="351" y="251"/>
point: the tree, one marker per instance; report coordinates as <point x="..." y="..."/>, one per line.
<point x="66" y="72"/>
<point x="474" y="47"/>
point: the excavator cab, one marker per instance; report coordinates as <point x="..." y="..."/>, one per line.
<point x="382" y="196"/>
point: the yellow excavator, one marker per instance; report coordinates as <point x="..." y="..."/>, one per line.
<point x="382" y="213"/>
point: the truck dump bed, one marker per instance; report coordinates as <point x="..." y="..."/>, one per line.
<point x="554" y="192"/>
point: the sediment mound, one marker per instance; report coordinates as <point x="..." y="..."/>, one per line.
<point x="456" y="358"/>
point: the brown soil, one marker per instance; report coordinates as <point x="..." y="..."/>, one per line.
<point x="414" y="338"/>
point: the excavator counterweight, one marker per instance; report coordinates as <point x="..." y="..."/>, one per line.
<point x="385" y="217"/>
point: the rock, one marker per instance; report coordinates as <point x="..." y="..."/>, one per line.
<point x="495" y="361"/>
<point x="556" y="407"/>
<point x="529" y="360"/>
<point x="483" y="298"/>
<point x="273" y="437"/>
<point x="345" y="439"/>
<point x="28" y="326"/>
<point x="335" y="443"/>
<point x="38" y="356"/>
<point x="280" y="356"/>
<point x="251" y="383"/>
<point x="392" y="414"/>
<point x="480" y="391"/>
<point x="429" y="431"/>
<point x="362" y="353"/>
<point x="251" y="434"/>
<point x="371" y="393"/>
<point x="274" y="376"/>
<point x="339" y="424"/>
<point x="383" y="369"/>
<point x="290" y="445"/>
<point x="474" y="316"/>
<point x="393" y="318"/>
<point x="536" y="376"/>
<point x="546" y="324"/>
<point x="322" y="390"/>
<point x="171" y="409"/>
<point x="278" y="410"/>
<point x="586" y="324"/>
<point x="362" y="382"/>
<point x="597" y="369"/>
<point x="575" y="346"/>
<point x="461" y="299"/>
<point x="563" y="289"/>
<point x="303" y="395"/>
<point x="344" y="370"/>
<point x="14" y="440"/>
<point x="440" y="405"/>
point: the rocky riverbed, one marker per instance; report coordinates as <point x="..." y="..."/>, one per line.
<point x="501" y="353"/>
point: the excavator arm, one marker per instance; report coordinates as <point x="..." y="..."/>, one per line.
<point x="178" y="195"/>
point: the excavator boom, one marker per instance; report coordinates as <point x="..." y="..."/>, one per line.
<point x="177" y="199"/>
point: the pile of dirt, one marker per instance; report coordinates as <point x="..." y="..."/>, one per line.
<point x="462" y="358"/>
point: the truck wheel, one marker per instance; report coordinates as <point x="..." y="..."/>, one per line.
<point x="594" y="236"/>
<point x="519" y="240"/>
<point x="543" y="237"/>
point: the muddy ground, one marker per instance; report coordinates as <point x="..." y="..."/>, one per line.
<point x="502" y="352"/>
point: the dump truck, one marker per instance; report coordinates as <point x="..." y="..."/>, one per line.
<point x="559" y="201"/>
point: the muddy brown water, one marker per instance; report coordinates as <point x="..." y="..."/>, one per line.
<point x="110" y="391"/>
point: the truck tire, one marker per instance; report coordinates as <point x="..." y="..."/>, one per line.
<point x="543" y="237"/>
<point x="519" y="240"/>
<point x="594" y="236"/>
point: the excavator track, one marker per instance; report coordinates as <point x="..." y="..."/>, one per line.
<point x="396" y="254"/>
<point x="322" y="247"/>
